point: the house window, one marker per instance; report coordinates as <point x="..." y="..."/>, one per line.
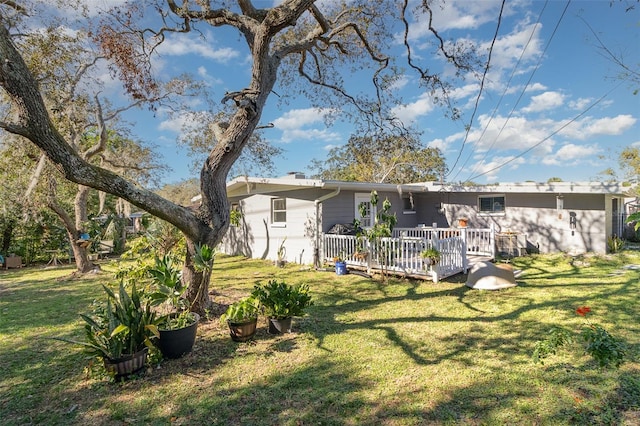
<point x="493" y="204"/>
<point x="278" y="210"/>
<point x="407" y="205"/>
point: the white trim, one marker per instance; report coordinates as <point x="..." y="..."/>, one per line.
<point x="492" y="212"/>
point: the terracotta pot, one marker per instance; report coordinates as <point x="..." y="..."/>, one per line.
<point x="463" y="223"/>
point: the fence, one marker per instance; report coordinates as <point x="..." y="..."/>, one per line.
<point x="401" y="252"/>
<point x="479" y="242"/>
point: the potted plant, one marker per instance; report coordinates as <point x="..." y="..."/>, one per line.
<point x="177" y="326"/>
<point x="341" y="265"/>
<point x="242" y="318"/>
<point x="281" y="302"/>
<point x="431" y="256"/>
<point x="120" y="331"/>
<point x="462" y="222"/>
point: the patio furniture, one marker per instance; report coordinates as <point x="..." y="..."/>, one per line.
<point x="105" y="248"/>
<point x="12" y="262"/>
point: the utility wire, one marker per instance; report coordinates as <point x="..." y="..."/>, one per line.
<point x="484" y="76"/>
<point x="524" y="89"/>
<point x="504" y="92"/>
<point x="555" y="132"/>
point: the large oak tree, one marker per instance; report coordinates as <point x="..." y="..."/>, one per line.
<point x="307" y="47"/>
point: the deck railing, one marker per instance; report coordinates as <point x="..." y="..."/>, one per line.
<point x="479" y="241"/>
<point x="401" y="252"/>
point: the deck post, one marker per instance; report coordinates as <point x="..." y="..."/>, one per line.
<point x="465" y="263"/>
<point x="492" y="239"/>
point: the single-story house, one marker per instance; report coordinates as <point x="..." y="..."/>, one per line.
<point x="294" y="212"/>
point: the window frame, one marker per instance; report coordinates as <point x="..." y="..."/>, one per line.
<point x="492" y="212"/>
<point x="275" y="211"/>
<point x="408" y="200"/>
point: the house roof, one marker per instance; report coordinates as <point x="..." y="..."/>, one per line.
<point x="611" y="188"/>
<point x="245" y="186"/>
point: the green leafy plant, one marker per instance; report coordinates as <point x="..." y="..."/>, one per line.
<point x="615" y="244"/>
<point x="169" y="291"/>
<point x="602" y="346"/>
<point x="121" y="325"/>
<point x="431" y="253"/>
<point x="235" y="217"/>
<point x="203" y="258"/>
<point x="168" y="285"/>
<point x="243" y="310"/>
<point x="383" y="225"/>
<point x="281" y="300"/>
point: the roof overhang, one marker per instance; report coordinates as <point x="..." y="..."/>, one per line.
<point x="245" y="186"/>
<point x="610" y="188"/>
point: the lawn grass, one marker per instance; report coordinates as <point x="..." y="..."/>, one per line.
<point x="369" y="353"/>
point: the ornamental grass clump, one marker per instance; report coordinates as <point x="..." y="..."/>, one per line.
<point x="605" y="349"/>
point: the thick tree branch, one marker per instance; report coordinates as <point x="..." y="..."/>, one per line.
<point x="36" y="125"/>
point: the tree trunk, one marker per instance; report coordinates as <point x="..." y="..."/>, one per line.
<point x="198" y="283"/>
<point x="7" y="233"/>
<point x="81" y="255"/>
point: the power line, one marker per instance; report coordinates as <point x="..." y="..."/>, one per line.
<point x="484" y="75"/>
<point x="524" y="89"/>
<point x="508" y="85"/>
<point x="555" y="132"/>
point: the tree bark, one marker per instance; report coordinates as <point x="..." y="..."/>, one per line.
<point x="211" y="221"/>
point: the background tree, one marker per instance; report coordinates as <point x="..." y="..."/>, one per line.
<point x="392" y="159"/>
<point x="67" y="72"/>
<point x="306" y="47"/>
<point x="180" y="192"/>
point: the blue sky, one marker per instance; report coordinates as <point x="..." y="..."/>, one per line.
<point x="552" y="109"/>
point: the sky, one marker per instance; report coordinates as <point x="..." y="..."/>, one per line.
<point x="551" y="105"/>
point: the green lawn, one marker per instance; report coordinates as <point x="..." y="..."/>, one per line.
<point x="400" y="353"/>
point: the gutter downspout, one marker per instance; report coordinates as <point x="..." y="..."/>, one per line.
<point x="317" y="202"/>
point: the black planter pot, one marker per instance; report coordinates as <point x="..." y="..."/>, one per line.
<point x="176" y="343"/>
<point x="279" y="325"/>
<point x="242" y="331"/>
<point x="126" y="365"/>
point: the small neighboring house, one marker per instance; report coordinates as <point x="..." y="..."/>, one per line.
<point x="570" y="217"/>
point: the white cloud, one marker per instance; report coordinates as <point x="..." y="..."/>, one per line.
<point x="588" y="127"/>
<point x="179" y="122"/>
<point x="297" y="118"/>
<point x="457" y="15"/>
<point x="580" y="104"/>
<point x="295" y="135"/>
<point x="293" y="124"/>
<point x="535" y="87"/>
<point x="182" y="44"/>
<point x="510" y="48"/>
<point x="571" y="155"/>
<point x="489" y="170"/>
<point x="410" y="112"/>
<point x="545" y="101"/>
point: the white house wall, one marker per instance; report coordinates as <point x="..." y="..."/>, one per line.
<point x="536" y="216"/>
<point x="257" y="237"/>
